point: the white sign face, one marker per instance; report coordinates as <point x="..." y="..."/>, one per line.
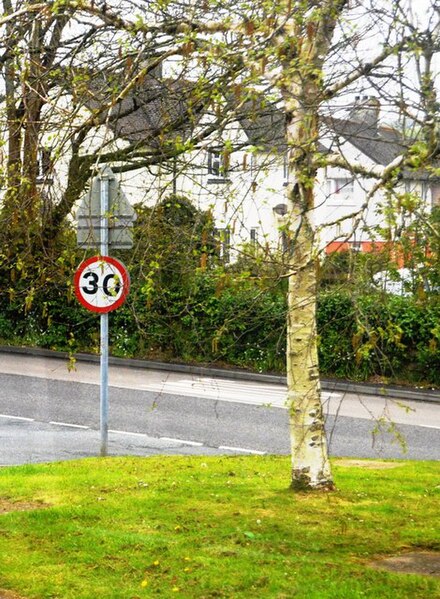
<point x="101" y="284"/>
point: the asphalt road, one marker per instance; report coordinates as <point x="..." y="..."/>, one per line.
<point x="48" y="413"/>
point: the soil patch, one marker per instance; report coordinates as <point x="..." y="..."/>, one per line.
<point x="426" y="563"/>
<point x="369" y="464"/>
<point x="7" y="506"/>
<point x="9" y="595"/>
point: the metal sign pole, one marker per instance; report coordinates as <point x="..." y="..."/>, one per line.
<point x="104" y="193"/>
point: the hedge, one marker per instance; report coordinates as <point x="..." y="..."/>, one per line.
<point x="233" y="320"/>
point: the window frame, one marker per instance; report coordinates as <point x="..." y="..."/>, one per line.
<point x="334" y="188"/>
<point x="44" y="165"/>
<point x="217" y="171"/>
<point x="223" y="236"/>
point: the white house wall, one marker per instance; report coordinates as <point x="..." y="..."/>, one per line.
<point x="255" y="184"/>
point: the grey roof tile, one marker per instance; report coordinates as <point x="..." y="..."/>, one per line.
<point x="158" y="110"/>
<point x="154" y="112"/>
<point x="380" y="144"/>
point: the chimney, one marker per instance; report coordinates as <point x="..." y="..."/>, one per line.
<point x="366" y="110"/>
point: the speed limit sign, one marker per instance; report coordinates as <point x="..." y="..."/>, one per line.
<point x="101" y="284"/>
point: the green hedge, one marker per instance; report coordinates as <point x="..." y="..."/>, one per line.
<point x="232" y="320"/>
<point x="377" y="335"/>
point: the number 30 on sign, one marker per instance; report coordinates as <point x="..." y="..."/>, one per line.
<point x="101" y="284"/>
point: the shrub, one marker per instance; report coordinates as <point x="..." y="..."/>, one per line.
<point x="390" y="336"/>
<point x="231" y="318"/>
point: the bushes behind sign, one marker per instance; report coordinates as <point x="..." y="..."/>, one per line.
<point x="230" y="320"/>
<point x="184" y="306"/>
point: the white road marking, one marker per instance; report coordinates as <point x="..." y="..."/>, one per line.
<point x="17" y="418"/>
<point x="353" y="405"/>
<point x="230" y="391"/>
<point x="184" y="441"/>
<point x="242" y="450"/>
<point x="68" y="424"/>
<point x="115" y="432"/>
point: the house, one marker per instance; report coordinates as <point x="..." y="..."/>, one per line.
<point x="241" y="173"/>
<point x="245" y="189"/>
<point x="362" y="139"/>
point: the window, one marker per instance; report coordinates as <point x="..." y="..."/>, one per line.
<point x="340" y="185"/>
<point x="284" y="241"/>
<point x="412" y="187"/>
<point x="223" y="243"/>
<point x="253" y="235"/>
<point x="44" y="166"/>
<point x="214" y="163"/>
<point x="286" y="170"/>
<point x="217" y="167"/>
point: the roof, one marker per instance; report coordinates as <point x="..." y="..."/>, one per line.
<point x="381" y="144"/>
<point x="153" y="112"/>
<point x="158" y="110"/>
<point x="265" y="127"/>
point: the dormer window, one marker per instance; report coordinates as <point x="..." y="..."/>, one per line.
<point x="217" y="167"/>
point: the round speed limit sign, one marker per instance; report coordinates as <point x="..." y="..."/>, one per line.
<point x="101" y="284"/>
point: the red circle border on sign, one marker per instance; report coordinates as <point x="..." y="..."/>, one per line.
<point x="125" y="283"/>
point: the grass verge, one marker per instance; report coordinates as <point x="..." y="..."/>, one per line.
<point x="129" y="528"/>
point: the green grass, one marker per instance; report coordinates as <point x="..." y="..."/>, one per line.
<point x="128" y="528"/>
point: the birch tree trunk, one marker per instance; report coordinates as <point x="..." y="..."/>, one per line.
<point x="310" y="464"/>
<point x="305" y="45"/>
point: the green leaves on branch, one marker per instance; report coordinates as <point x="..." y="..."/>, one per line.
<point x="418" y="155"/>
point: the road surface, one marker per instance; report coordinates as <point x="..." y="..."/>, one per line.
<point x="48" y="413"/>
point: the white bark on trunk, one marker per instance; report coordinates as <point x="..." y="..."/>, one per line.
<point x="310" y="464"/>
<point x="304" y="46"/>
